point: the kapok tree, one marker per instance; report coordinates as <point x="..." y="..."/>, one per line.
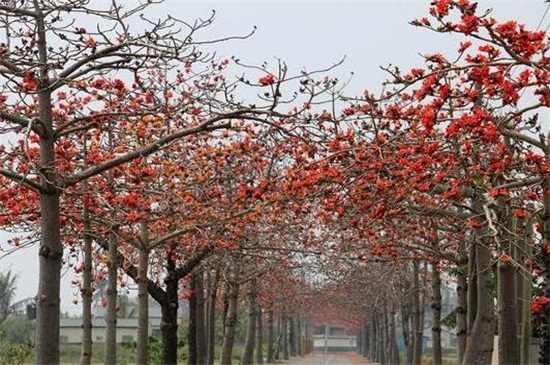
<point x="488" y="99"/>
<point x="62" y="81"/>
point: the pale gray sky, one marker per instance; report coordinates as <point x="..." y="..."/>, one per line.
<point x="308" y="34"/>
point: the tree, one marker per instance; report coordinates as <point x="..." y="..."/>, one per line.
<point x="52" y="97"/>
<point x="7" y="293"/>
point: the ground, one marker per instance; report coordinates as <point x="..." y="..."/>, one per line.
<point x="329" y="359"/>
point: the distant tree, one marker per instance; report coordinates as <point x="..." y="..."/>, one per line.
<point x="7" y="293"/>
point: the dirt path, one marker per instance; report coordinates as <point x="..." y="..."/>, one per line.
<point x="329" y="359"/>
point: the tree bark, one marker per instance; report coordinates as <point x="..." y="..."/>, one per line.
<point x="86" y="355"/>
<point x="394" y="358"/>
<point x="526" y="295"/>
<point x="292" y="336"/>
<point x="418" y="329"/>
<point x="192" y="337"/>
<point x="436" y="313"/>
<point x="270" y="336"/>
<point x="284" y="329"/>
<point x="230" y="322"/>
<point x="461" y="311"/>
<point x="169" y="312"/>
<point x="508" y="353"/>
<point x="545" y="259"/>
<point x="111" y="312"/>
<point x="51" y="250"/>
<point x="406" y="329"/>
<point x="472" y="287"/>
<point x="259" y="336"/>
<point x="480" y="342"/>
<point x="212" y="317"/>
<point x="201" y="314"/>
<point x="249" y="344"/>
<point x="142" y="349"/>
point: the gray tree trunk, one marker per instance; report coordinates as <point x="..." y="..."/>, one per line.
<point x="270" y="336"/>
<point x="394" y="358"/>
<point x="249" y="344"/>
<point x="461" y="311"/>
<point x="284" y="329"/>
<point x="192" y="337"/>
<point x="472" y="287"/>
<point x="480" y="342"/>
<point x="259" y="336"/>
<point x="545" y="258"/>
<point x="436" y="313"/>
<point x="230" y="322"/>
<point x="142" y="349"/>
<point x="526" y="295"/>
<point x="112" y="293"/>
<point x="292" y="336"/>
<point x="212" y="293"/>
<point x="508" y="351"/>
<point x="406" y="329"/>
<point x="86" y="355"/>
<point x="201" y="327"/>
<point x="169" y="311"/>
<point x="51" y="250"/>
<point x="418" y="329"/>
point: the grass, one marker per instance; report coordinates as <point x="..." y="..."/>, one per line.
<point x="70" y="354"/>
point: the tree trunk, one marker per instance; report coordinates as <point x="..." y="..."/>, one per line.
<point x="508" y="353"/>
<point x="212" y="317"/>
<point x="292" y="336"/>
<point x="406" y="329"/>
<point x="270" y="336"/>
<point x="111" y="312"/>
<point x="526" y="295"/>
<point x="472" y="287"/>
<point x="386" y="335"/>
<point x="278" y="345"/>
<point x="376" y="340"/>
<point x="248" y="350"/>
<point x="169" y="312"/>
<point x="51" y="249"/>
<point x="545" y="259"/>
<point x="192" y="338"/>
<point x="381" y="340"/>
<point x="86" y="356"/>
<point x="284" y="329"/>
<point x="142" y="349"/>
<point x="461" y="311"/>
<point x="230" y="323"/>
<point x="394" y="359"/>
<point x="436" y="312"/>
<point x="259" y="336"/>
<point x="200" y="320"/>
<point x="480" y="342"/>
<point x="418" y="329"/>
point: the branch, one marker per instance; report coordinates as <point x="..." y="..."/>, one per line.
<point x="23" y="180"/>
<point x="153" y="288"/>
<point x="439" y="212"/>
<point x="151" y="148"/>
<point x="193" y="262"/>
<point x="22" y="122"/>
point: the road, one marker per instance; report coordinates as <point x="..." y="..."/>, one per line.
<point x="329" y="359"/>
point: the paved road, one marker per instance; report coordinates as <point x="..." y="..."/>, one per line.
<point x="329" y="359"/>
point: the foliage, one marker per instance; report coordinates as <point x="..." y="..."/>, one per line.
<point x="14" y="353"/>
<point x="7" y="293"/>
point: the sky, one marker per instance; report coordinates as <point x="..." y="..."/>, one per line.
<point x="307" y="35"/>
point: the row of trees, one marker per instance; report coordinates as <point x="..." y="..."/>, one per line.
<point x="134" y="151"/>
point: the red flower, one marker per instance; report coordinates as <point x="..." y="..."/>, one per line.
<point x="540" y="304"/>
<point x="521" y="213"/>
<point x="268" y="79"/>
